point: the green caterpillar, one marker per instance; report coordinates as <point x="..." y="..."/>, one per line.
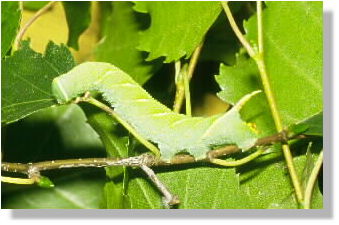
<point x="172" y="132"/>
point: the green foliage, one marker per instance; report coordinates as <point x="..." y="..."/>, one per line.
<point x="116" y="142"/>
<point x="10" y="23"/>
<point x="290" y="28"/>
<point x="78" y="15"/>
<point x="34" y="5"/>
<point x="313" y="124"/>
<point x="26" y="78"/>
<point x="120" y="41"/>
<point x="190" y="20"/>
<point x="225" y="188"/>
<point x="240" y="79"/>
<point x="286" y="56"/>
<point x="76" y="191"/>
<point x="54" y="133"/>
<point x="138" y="37"/>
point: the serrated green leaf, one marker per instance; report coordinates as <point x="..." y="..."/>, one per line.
<point x="295" y="72"/>
<point x="262" y="184"/>
<point x="26" y="78"/>
<point x="78" y="15"/>
<point x="293" y="54"/>
<point x="120" y="39"/>
<point x="220" y="43"/>
<point x="10" y="23"/>
<point x="177" y="28"/>
<point x="240" y="79"/>
<point x="190" y="184"/>
<point x="77" y="191"/>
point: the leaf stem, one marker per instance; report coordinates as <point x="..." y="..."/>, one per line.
<point x="259" y="58"/>
<point x="187" y="94"/>
<point x="30" y="22"/>
<point x="14" y="180"/>
<point x="236" y="29"/>
<point x="110" y="111"/>
<point x="239" y="162"/>
<point x="311" y="181"/>
<point x="181" y="86"/>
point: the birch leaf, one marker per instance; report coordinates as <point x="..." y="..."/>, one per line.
<point x="177" y="28"/>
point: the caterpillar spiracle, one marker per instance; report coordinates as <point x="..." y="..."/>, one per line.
<point x="172" y="132"/>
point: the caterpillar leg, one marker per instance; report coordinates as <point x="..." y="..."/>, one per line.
<point x="239" y="162"/>
<point x="169" y="198"/>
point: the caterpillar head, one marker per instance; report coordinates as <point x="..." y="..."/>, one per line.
<point x="59" y="92"/>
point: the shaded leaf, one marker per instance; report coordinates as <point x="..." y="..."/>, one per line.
<point x="120" y="39"/>
<point x="26" y="79"/>
<point x="77" y="191"/>
<point x="220" y="43"/>
<point x="53" y="133"/>
<point x="313" y="125"/>
<point x="78" y="15"/>
<point x="10" y="24"/>
<point x="116" y="142"/>
<point x="177" y="28"/>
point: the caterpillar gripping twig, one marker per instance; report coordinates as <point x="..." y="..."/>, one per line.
<point x="172" y="132"/>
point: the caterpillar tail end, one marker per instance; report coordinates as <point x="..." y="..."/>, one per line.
<point x="245" y="99"/>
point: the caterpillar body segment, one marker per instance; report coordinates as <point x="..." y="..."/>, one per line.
<point x="172" y="132"/>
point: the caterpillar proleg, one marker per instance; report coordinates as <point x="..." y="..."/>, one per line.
<point x="172" y="132"/>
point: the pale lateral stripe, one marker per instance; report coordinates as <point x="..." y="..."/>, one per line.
<point x="124" y="85"/>
<point x="141" y="100"/>
<point x="161" y="114"/>
<point x="180" y="121"/>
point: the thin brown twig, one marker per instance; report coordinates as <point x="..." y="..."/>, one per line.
<point x="137" y="161"/>
<point x="31" y="21"/>
<point x="169" y="198"/>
